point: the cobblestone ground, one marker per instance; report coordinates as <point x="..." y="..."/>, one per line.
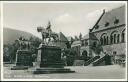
<point x="82" y="72"/>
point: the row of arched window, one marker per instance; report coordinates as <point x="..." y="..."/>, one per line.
<point x="114" y="38"/>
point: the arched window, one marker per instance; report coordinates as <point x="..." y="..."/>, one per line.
<point x="101" y="41"/>
<point x="111" y="39"/>
<point x="118" y="38"/>
<point x="114" y="37"/>
<point x="123" y="36"/>
<point x="104" y="39"/>
<point x="107" y="41"/>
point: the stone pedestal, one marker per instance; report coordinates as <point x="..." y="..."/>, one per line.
<point x="23" y="60"/>
<point x="49" y="61"/>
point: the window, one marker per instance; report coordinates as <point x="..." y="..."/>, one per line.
<point x="111" y="38"/>
<point x="104" y="39"/>
<point x="116" y="21"/>
<point x="123" y="36"/>
<point x="118" y="38"/>
<point x="114" y="52"/>
<point x="101" y="41"/>
<point x="107" y="40"/>
<point x="115" y="37"/>
<point x="106" y="24"/>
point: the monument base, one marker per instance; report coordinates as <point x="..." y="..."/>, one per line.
<point x="49" y="61"/>
<point x="52" y="70"/>
<point x="23" y="60"/>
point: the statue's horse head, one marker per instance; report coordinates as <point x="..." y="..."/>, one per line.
<point x="41" y="29"/>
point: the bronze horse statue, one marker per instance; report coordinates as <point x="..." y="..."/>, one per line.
<point x="47" y="33"/>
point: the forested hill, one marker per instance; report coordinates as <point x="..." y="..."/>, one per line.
<point x="10" y="35"/>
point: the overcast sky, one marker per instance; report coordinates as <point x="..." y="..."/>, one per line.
<point x="69" y="18"/>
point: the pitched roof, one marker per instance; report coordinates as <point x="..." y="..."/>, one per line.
<point x="108" y="19"/>
<point x="85" y="37"/>
<point x="62" y="37"/>
<point x="70" y="38"/>
<point x="92" y="36"/>
<point x="89" y="36"/>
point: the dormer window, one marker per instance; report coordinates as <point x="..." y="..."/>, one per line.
<point x="116" y="21"/>
<point x="97" y="26"/>
<point x="106" y="24"/>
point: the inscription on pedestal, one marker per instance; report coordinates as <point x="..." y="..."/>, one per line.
<point x="49" y="56"/>
<point x="24" y="58"/>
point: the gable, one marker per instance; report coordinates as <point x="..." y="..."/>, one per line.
<point x="110" y="19"/>
<point x="62" y="37"/>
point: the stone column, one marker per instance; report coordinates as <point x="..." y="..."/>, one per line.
<point x="38" y="58"/>
<point x="39" y="55"/>
<point x="16" y="57"/>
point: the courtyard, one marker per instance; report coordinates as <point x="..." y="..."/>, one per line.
<point x="81" y="72"/>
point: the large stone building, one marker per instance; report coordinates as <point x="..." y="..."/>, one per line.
<point x="76" y="45"/>
<point x="86" y="42"/>
<point x="110" y="33"/>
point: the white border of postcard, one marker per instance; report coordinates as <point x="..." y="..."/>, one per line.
<point x="125" y="2"/>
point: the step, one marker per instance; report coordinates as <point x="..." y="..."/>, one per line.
<point x="19" y="67"/>
<point x="52" y="70"/>
<point x="98" y="61"/>
<point x="91" y="60"/>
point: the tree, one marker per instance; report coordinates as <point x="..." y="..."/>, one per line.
<point x="10" y="52"/>
<point x="68" y="45"/>
<point x="76" y="38"/>
<point x="34" y="45"/>
<point x="6" y="57"/>
<point x="70" y="56"/>
<point x="80" y="36"/>
<point x="11" y="49"/>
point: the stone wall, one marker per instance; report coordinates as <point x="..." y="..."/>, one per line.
<point x="119" y="47"/>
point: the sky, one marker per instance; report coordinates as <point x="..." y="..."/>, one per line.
<point x="69" y="18"/>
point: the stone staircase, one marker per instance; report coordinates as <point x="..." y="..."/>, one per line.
<point x="99" y="62"/>
<point x="91" y="60"/>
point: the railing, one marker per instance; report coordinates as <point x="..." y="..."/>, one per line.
<point x="97" y="62"/>
<point x="91" y="60"/>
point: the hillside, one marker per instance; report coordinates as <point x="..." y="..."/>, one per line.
<point x="10" y="35"/>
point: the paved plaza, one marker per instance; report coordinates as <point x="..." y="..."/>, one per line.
<point x="82" y="72"/>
